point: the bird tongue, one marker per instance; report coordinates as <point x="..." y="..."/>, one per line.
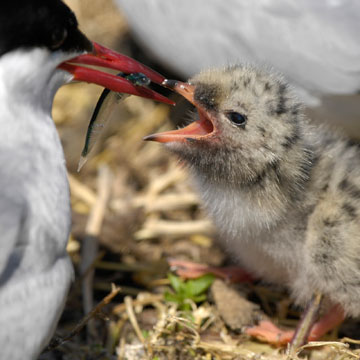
<point x="110" y="59"/>
<point x="196" y="130"/>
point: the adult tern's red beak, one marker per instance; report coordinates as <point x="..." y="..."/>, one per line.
<point x="107" y="58"/>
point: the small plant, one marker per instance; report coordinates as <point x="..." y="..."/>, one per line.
<point x="193" y="290"/>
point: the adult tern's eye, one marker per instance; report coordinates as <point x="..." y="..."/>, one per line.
<point x="58" y="37"/>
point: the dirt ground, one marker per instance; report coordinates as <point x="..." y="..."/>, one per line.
<point x="133" y="208"/>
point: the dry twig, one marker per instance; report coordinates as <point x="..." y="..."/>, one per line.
<point x="90" y="242"/>
<point x="94" y="312"/>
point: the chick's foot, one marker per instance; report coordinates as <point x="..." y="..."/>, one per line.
<point x="268" y="332"/>
<point x="191" y="270"/>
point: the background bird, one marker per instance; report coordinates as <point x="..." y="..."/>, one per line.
<point x="315" y="45"/>
<point x="37" y="39"/>
<point x="283" y="194"/>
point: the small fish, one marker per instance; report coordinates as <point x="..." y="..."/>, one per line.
<point x="138" y="79"/>
<point x="103" y="110"/>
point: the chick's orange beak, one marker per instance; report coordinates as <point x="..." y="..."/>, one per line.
<point x="197" y="130"/>
<point x="107" y="58"/>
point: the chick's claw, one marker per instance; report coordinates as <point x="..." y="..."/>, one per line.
<point x="188" y="269"/>
<point x="191" y="270"/>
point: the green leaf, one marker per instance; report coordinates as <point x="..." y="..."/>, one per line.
<point x="185" y="307"/>
<point x="198" y="286"/>
<point x="199" y="298"/>
<point x="176" y="283"/>
<point x="173" y="297"/>
<point x="191" y="289"/>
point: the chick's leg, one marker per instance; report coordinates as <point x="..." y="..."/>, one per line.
<point x="268" y="332"/>
<point x="191" y="270"/>
<point x="329" y="321"/>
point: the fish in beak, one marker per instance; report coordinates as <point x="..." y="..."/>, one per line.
<point x="107" y="58"/>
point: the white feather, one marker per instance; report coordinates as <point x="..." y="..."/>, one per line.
<point x="35" y="271"/>
<point x="314" y="43"/>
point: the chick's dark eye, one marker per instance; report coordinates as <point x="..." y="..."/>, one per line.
<point x="236" y="118"/>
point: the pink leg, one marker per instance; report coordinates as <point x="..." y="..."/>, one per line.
<point x="268" y="332"/>
<point x="330" y="320"/>
<point x="191" y="270"/>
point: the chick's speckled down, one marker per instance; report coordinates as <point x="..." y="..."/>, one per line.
<point x="284" y="195"/>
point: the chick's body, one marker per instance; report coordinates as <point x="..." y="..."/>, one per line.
<point x="284" y="195"/>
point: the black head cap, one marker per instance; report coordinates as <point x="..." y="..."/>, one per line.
<point x="40" y="23"/>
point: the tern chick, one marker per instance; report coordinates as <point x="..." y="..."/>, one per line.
<point x="284" y="195"/>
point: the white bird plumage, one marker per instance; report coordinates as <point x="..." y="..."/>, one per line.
<point x="313" y="43"/>
<point x="35" y="217"/>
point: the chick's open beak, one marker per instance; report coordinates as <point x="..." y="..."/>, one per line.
<point x="110" y="59"/>
<point x="200" y="129"/>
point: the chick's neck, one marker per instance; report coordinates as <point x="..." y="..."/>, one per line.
<point x="269" y="189"/>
